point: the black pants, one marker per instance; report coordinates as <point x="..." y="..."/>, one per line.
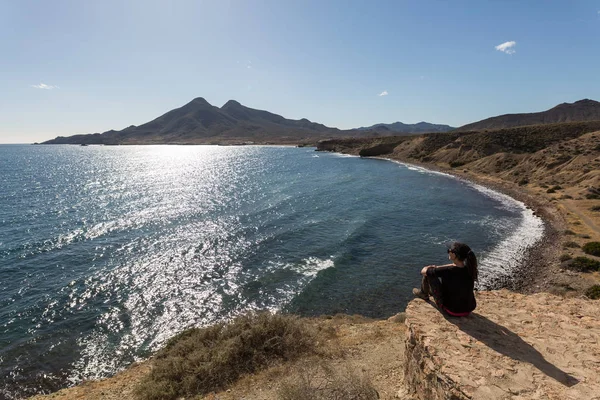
<point x="431" y="286"/>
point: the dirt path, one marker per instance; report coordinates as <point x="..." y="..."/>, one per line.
<point x="571" y="207"/>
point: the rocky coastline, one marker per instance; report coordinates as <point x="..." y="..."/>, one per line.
<point x="403" y="356"/>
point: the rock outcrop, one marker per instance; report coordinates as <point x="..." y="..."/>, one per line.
<point x="512" y="347"/>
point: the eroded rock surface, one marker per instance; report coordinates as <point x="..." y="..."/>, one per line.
<point x="512" y="347"/>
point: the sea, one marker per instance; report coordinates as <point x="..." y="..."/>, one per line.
<point x="108" y="251"/>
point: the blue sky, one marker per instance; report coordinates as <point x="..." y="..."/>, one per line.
<point x="69" y="67"/>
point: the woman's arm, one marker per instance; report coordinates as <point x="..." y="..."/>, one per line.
<point x="424" y="270"/>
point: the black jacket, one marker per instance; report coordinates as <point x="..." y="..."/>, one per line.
<point x="457" y="288"/>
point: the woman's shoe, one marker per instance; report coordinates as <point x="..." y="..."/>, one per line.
<point x="419" y="293"/>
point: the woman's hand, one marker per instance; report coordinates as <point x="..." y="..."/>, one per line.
<point x="424" y="270"/>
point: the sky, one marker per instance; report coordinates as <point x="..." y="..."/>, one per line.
<point x="71" y="67"/>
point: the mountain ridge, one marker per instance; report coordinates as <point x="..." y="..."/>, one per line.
<point x="400" y="127"/>
<point x="579" y="111"/>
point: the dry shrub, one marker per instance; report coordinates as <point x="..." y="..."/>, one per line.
<point x="583" y="264"/>
<point x="592" y="248"/>
<point x="593" y="292"/>
<point x="321" y="382"/>
<point x="199" y="361"/>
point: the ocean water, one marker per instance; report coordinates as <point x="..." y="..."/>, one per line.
<point x="106" y="252"/>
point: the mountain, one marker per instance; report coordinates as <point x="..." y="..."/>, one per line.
<point x="399" y="127"/>
<point x="200" y="122"/>
<point x="580" y="111"/>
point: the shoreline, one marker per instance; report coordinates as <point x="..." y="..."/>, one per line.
<point x="532" y="275"/>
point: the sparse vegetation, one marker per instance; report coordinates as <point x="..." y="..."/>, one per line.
<point x="456" y="164"/>
<point x="592" y="248"/>
<point x="523" y="182"/>
<point x="565" y="257"/>
<point x="199" y="361"/>
<point x="584" y="236"/>
<point x="569" y="232"/>
<point x="593" y="292"/>
<point x="320" y="382"/>
<point x="595" y="208"/>
<point x="571" y="245"/>
<point x="584" y="264"/>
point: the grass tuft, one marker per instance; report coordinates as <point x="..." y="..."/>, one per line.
<point x="571" y="245"/>
<point x="199" y="361"/>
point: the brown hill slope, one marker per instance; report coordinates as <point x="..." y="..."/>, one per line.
<point x="582" y="110"/>
<point x="567" y="153"/>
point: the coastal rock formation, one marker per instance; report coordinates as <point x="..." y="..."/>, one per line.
<point x="512" y="347"/>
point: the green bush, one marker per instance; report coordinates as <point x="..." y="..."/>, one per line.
<point x="593" y="292"/>
<point x="199" y="361"/>
<point x="569" y="232"/>
<point x="571" y="245"/>
<point x="584" y="264"/>
<point x="595" y="208"/>
<point x="523" y="182"/>
<point x="565" y="257"/>
<point x="455" y="164"/>
<point x="592" y="248"/>
<point x="551" y="190"/>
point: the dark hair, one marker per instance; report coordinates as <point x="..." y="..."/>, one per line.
<point x="465" y="254"/>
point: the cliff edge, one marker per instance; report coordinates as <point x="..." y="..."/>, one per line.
<point x="513" y="346"/>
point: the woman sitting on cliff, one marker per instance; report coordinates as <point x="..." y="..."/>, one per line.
<point x="454" y="293"/>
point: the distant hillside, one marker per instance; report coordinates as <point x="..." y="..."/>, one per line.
<point x="399" y="127"/>
<point x="200" y="122"/>
<point x="548" y="154"/>
<point x="580" y="111"/>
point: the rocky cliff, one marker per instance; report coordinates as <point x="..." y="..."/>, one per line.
<point x="512" y="347"/>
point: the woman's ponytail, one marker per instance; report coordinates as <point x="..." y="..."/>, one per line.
<point x="466" y="255"/>
<point x="471" y="264"/>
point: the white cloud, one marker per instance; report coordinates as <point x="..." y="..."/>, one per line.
<point x="384" y="93"/>
<point x="44" y="86"/>
<point x="507" y="47"/>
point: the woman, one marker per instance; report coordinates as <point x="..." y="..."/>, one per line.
<point x="454" y="293"/>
